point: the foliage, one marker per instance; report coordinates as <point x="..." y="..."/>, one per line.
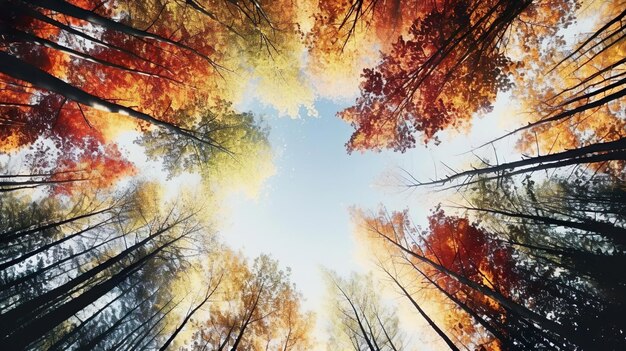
<point x="94" y="256"/>
<point x="538" y="268"/>
<point x="451" y="65"/>
<point x="258" y="310"/>
<point x="361" y="321"/>
<point x="239" y="154"/>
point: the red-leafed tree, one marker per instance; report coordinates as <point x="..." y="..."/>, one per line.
<point x="77" y="73"/>
<point x="507" y="292"/>
<point x="450" y="65"/>
<point x="60" y="81"/>
<point x="462" y="265"/>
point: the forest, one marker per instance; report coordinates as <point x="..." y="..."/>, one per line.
<point x="134" y="134"/>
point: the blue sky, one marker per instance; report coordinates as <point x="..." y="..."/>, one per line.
<point x="302" y="215"/>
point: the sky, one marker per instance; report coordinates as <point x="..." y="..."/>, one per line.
<point x="302" y="214"/>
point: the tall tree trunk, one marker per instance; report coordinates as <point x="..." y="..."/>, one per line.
<point x="504" y="301"/>
<point x="187" y="317"/>
<point x="8" y="236"/>
<point x="584" y="154"/>
<point x="505" y="340"/>
<point x="60" y="343"/>
<point x="111" y="328"/>
<point x="16" y="68"/>
<point x="9" y="263"/>
<point x="90" y="16"/>
<point x="431" y="323"/>
<point x="607" y="230"/>
<point x="28" y="333"/>
<point x="29" y="309"/>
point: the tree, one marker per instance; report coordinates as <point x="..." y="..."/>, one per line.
<point x="451" y="66"/>
<point x="575" y="99"/>
<point x="523" y="293"/>
<point x="360" y="319"/>
<point x="599" y="153"/>
<point x="460" y="251"/>
<point x="148" y="63"/>
<point x="573" y="225"/>
<point x="259" y="310"/>
<point x="243" y="157"/>
<point x="346" y="35"/>
<point x="87" y="257"/>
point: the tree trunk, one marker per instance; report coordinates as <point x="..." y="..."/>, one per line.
<point x="28" y="333"/>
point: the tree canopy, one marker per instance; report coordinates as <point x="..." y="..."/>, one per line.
<point x="130" y="130"/>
